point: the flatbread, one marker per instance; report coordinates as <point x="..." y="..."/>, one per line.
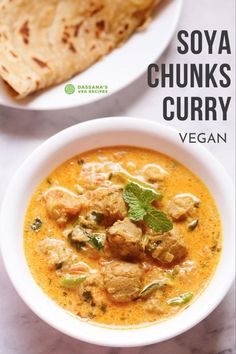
<point x="45" y="42"/>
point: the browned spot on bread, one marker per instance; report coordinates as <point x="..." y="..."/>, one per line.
<point x="13" y="54"/>
<point x="66" y="34"/>
<point x="4" y="69"/>
<point x="40" y="63"/>
<point x="101" y="25"/>
<point x="125" y="28"/>
<point x="76" y="29"/>
<point x="65" y="37"/>
<point x="100" y="8"/>
<point x="25" y="32"/>
<point x="72" y="48"/>
<point x="140" y="15"/>
<point x="110" y="48"/>
<point x="10" y="89"/>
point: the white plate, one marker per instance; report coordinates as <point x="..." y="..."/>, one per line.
<point x="117" y="70"/>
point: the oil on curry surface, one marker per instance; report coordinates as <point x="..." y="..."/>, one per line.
<point x="122" y="236"/>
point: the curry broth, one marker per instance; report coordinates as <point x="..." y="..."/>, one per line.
<point x="194" y="272"/>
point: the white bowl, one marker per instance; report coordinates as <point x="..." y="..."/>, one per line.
<point x="101" y="133"/>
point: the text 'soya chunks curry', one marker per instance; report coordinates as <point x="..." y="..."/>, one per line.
<point x="122" y="236"/>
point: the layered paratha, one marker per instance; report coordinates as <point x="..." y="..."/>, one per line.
<point x="45" y="42"/>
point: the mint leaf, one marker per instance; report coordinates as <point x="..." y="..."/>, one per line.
<point x="148" y="196"/>
<point x="139" y="200"/>
<point x="131" y="195"/>
<point x="136" y="213"/>
<point x="157" y="220"/>
<point x="130" y="179"/>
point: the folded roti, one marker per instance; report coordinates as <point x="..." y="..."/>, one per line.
<point x="45" y="42"/>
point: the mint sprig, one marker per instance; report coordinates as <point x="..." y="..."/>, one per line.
<point x="157" y="220"/>
<point x="139" y="200"/>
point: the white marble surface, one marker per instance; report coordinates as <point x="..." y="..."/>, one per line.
<point x="21" y="332"/>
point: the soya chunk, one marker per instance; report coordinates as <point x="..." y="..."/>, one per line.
<point x="62" y="204"/>
<point x="154" y="173"/>
<point x="167" y="248"/>
<point x="182" y="205"/>
<point x="57" y="253"/>
<point x="91" y="289"/>
<point x="124" y="239"/>
<point x="122" y="281"/>
<point x="77" y="234"/>
<point x="108" y="201"/>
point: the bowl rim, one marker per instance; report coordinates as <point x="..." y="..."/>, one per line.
<point x="108" y="124"/>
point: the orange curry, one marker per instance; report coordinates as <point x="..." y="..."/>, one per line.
<point x="122" y="236"/>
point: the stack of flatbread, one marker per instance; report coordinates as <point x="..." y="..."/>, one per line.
<point x="45" y="42"/>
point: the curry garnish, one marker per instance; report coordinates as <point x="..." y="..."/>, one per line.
<point x="97" y="216"/>
<point x="80" y="162"/>
<point x="180" y="300"/>
<point x="36" y="224"/>
<point x="130" y="179"/>
<point x="150" y="288"/>
<point x="139" y="200"/>
<point x="69" y="282"/>
<point x="96" y="241"/>
<point x="193" y="224"/>
<point x="87" y="296"/>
